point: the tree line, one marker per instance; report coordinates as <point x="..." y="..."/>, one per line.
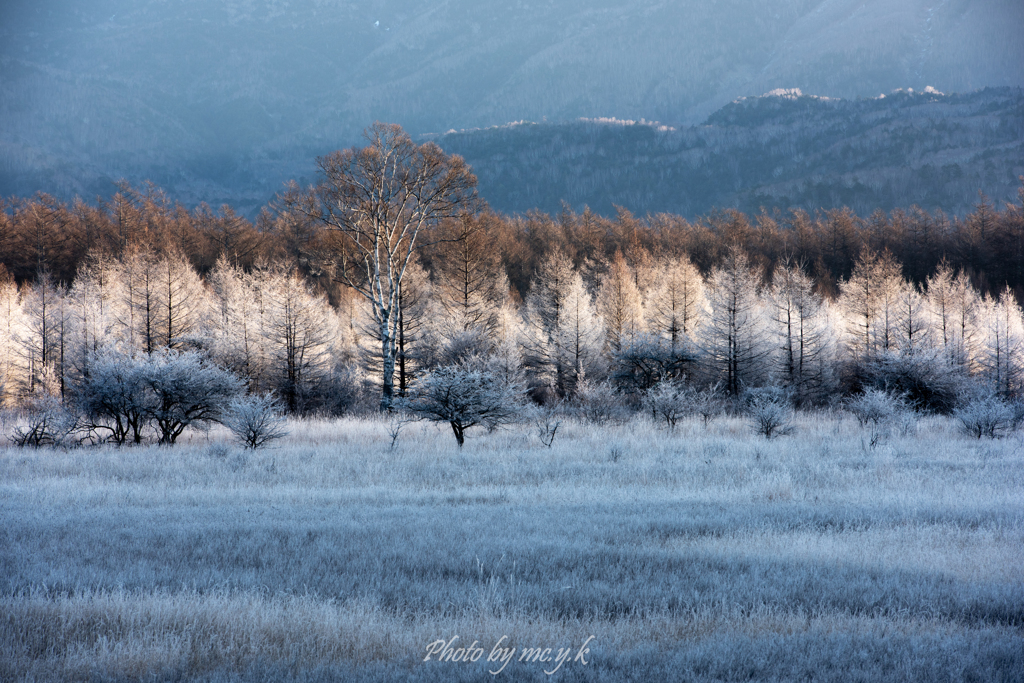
<point x="42" y="234"/>
<point x="332" y="297"/>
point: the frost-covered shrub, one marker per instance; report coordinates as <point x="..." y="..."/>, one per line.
<point x="114" y="396"/>
<point x="648" y="360"/>
<point x="984" y="413"/>
<point x="187" y="389"/>
<point x="708" y="403"/>
<point x="343" y="391"/>
<point x="880" y="412"/>
<point x="546" y="421"/>
<point x="876" y="407"/>
<point x="465" y="396"/>
<point x="1017" y="406"/>
<point x="46" y="422"/>
<point x="669" y="400"/>
<point x="168" y="390"/>
<point x="770" y="410"/>
<point x="923" y="379"/>
<point x="598" y="402"/>
<point x="255" y="421"/>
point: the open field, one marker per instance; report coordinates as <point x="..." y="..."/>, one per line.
<point x="694" y="555"/>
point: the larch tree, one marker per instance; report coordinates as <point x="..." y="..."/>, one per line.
<point x="44" y="337"/>
<point x="955" y="306"/>
<point x="127" y="219"/>
<point x="734" y="341"/>
<point x="300" y="329"/>
<point x="582" y="334"/>
<point x="382" y="199"/>
<point x="470" y="284"/>
<point x="1002" y="354"/>
<point x="620" y="304"/>
<point x="238" y="321"/>
<point x="676" y="304"/>
<point x="544" y="314"/>
<point x="868" y="301"/>
<point x="92" y="301"/>
<point x="181" y="300"/>
<point x="139" y="309"/>
<point x="913" y="323"/>
<point x="800" y="326"/>
<point x="11" y="323"/>
<point x="562" y="335"/>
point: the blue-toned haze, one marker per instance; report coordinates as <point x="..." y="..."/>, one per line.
<point x="222" y="101"/>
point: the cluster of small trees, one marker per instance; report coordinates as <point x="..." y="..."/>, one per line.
<point x="265" y="325"/>
<point x="421" y="308"/>
<point x="123" y="398"/>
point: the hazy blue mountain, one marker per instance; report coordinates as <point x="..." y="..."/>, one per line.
<point x="781" y="150"/>
<point x="221" y="100"/>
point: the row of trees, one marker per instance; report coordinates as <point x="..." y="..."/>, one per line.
<point x="43" y="234"/>
<point x="401" y="281"/>
<point x="631" y="327"/>
<point x="266" y="325"/>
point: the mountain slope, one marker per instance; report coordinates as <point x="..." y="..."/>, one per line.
<point x="784" y="150"/>
<point x="223" y="99"/>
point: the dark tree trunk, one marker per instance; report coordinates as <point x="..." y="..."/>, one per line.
<point x="460" y="432"/>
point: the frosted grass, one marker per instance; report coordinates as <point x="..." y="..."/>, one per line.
<point x="697" y="554"/>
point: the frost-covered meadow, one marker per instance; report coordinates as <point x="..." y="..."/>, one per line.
<point x="690" y="554"/>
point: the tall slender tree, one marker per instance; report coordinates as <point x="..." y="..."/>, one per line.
<point x="382" y="199"/>
<point x="955" y="306"/>
<point x="677" y="304"/>
<point x="1002" y="357"/>
<point x="734" y="339"/>
<point x="799" y="320"/>
<point x="563" y="335"/>
<point x="868" y="303"/>
<point x="620" y="304"/>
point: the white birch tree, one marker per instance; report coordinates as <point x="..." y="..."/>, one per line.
<point x="381" y="199"/>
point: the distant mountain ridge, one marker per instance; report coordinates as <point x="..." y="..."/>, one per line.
<point x="222" y="100"/>
<point x="782" y="150"/>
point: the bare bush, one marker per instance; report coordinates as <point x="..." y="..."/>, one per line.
<point x="46" y="422"/>
<point x="465" y="396"/>
<point x="598" y="402"/>
<point x="394" y="424"/>
<point x="670" y="401"/>
<point x="547" y="421"/>
<point x="984" y="413"/>
<point x="708" y="403"/>
<point x="255" y="421"/>
<point x="187" y="389"/>
<point x="770" y="410"/>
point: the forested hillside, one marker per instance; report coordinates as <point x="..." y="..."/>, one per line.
<point x="780" y="150"/>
